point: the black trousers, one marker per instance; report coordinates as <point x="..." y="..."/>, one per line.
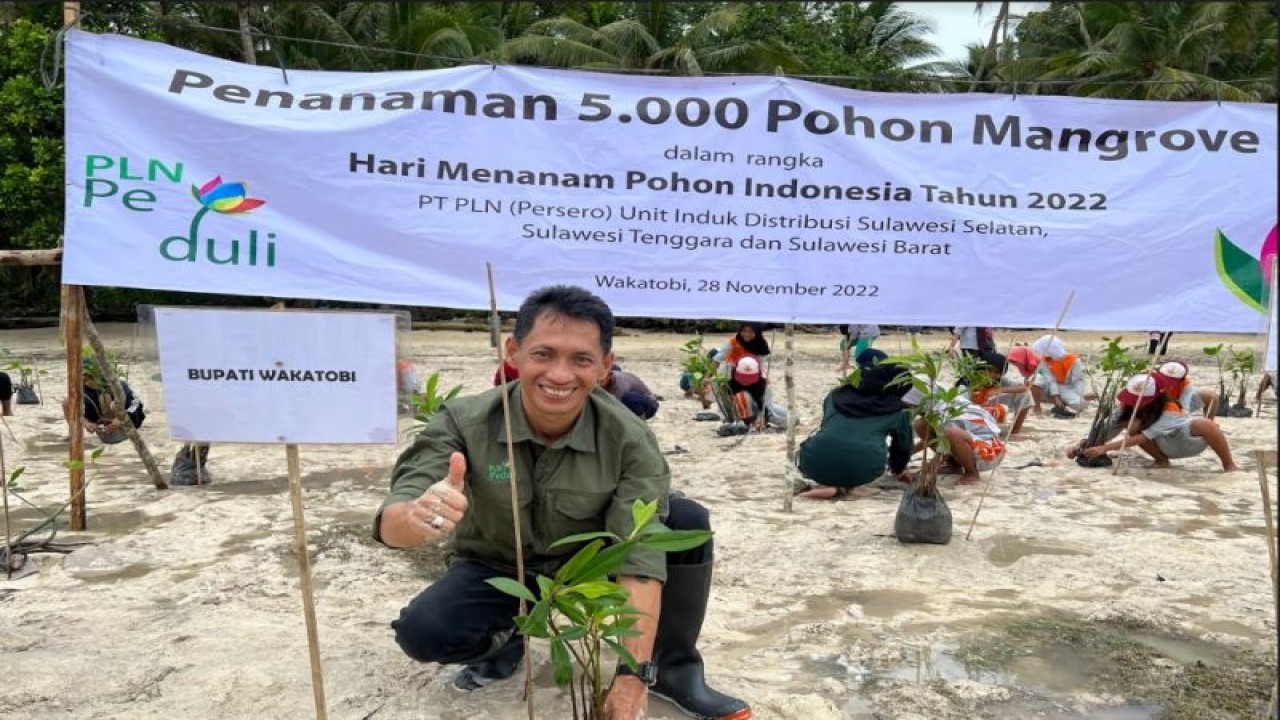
<point x="453" y="620"/>
<point x="6" y="386"/>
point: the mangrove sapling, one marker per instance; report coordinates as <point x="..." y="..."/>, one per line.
<point x="581" y="610"/>
<point x="923" y="515"/>
<point x="700" y="369"/>
<point x="1117" y="364"/>
<point x="424" y="405"/>
<point x="1215" y="352"/>
<point x="1239" y="364"/>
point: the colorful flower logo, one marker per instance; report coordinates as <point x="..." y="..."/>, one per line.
<point x="1247" y="277"/>
<point x="225" y="198"/>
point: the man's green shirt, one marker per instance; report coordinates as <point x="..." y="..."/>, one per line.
<point x="585" y="481"/>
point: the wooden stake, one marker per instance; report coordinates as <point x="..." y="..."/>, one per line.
<point x="986" y="488"/>
<point x="1260" y="460"/>
<point x="789" y="375"/>
<point x="515" y="488"/>
<point x="116" y="389"/>
<point x="4" y="490"/>
<point x="304" y="576"/>
<point x="72" y="336"/>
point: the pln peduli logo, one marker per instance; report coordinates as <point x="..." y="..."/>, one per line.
<point x="1247" y="277"/>
<point x="223" y="198"/>
<point x="110" y="179"/>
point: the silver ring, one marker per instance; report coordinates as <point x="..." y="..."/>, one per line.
<point x="437" y="522"/>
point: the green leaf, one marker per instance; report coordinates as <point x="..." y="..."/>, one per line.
<point x="569" y="571"/>
<point x="618" y="631"/>
<point x="17" y="473"/>
<point x="571" y="633"/>
<point x="623" y="654"/>
<point x="511" y="587"/>
<point x="594" y="589"/>
<point x="609" y="561"/>
<point x="562" y="663"/>
<point x="642" y="512"/>
<point x="545" y="585"/>
<point x="1240" y="272"/>
<point x="583" y="537"/>
<point x="676" y="540"/>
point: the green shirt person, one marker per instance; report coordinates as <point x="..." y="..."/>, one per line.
<point x="581" y="458"/>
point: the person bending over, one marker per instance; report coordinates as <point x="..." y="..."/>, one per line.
<point x="1150" y="419"/>
<point x="848" y="449"/>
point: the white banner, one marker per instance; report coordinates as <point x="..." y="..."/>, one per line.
<point x="262" y="376"/>
<point x="751" y="197"/>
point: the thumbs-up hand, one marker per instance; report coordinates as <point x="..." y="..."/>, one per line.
<point x="437" y="512"/>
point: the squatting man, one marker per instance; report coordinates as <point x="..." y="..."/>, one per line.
<point x="581" y="459"/>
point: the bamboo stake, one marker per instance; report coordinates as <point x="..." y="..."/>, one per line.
<point x="4" y="490"/>
<point x="1260" y="460"/>
<point x="986" y="488"/>
<point x="116" y="389"/>
<point x="790" y="380"/>
<point x="304" y="576"/>
<point x="515" y="489"/>
<point x="1124" y="438"/>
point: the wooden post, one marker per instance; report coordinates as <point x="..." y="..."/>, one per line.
<point x="30" y="258"/>
<point x="72" y="336"/>
<point x="304" y="576"/>
<point x="72" y="312"/>
<point x="116" y="389"/>
<point x="789" y="332"/>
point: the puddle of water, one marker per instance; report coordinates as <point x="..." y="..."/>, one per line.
<point x="1128" y="522"/>
<point x="1230" y="627"/>
<point x="1009" y="549"/>
<point x="874" y="603"/>
<point x="123" y="523"/>
<point x="128" y="572"/>
<point x="1184" y="651"/>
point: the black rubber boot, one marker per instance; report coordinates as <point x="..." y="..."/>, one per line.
<point x="675" y="652"/>
<point x="499" y="663"/>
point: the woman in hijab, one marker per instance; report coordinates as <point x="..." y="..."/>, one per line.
<point x="748" y="342"/>
<point x="1059" y="378"/>
<point x="848" y="449"/>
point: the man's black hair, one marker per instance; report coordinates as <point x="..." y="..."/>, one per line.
<point x="568" y="301"/>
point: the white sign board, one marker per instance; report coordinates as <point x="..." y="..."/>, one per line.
<point x="262" y="376"/>
<point x="768" y="198"/>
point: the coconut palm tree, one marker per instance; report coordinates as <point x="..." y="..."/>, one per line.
<point x="1156" y="50"/>
<point x="649" y="39"/>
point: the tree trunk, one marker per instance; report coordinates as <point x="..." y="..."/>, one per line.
<point x="113" y="382"/>
<point x="246" y="39"/>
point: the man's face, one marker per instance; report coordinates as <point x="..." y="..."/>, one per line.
<point x="559" y="361"/>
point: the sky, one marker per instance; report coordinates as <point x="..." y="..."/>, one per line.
<point x="956" y="24"/>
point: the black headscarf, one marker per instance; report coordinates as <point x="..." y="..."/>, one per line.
<point x="758" y="347"/>
<point x="873" y="395"/>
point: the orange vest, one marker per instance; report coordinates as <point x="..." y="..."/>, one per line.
<point x="1061" y="368"/>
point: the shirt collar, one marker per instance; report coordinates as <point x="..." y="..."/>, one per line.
<point x="581" y="436"/>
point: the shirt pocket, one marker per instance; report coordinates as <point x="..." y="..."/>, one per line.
<point x="577" y="512"/>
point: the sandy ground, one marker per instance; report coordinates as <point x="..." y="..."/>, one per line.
<point x="185" y="602"/>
